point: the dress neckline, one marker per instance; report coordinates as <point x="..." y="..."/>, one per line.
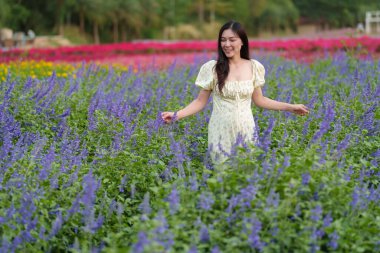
<point x="244" y="81"/>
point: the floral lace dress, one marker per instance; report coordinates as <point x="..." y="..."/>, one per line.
<point x="231" y="121"/>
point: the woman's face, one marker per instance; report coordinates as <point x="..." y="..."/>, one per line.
<point x="231" y="43"/>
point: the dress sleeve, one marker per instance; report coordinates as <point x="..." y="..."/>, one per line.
<point x="259" y="75"/>
<point x="205" y="78"/>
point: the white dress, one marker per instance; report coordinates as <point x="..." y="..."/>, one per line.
<point x="231" y="121"/>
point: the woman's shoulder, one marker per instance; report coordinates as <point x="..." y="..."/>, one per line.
<point x="257" y="63"/>
<point x="210" y="63"/>
<point x="208" y="66"/>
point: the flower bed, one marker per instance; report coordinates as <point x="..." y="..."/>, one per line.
<point x="99" y="52"/>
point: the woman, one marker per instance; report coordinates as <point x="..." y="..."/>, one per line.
<point x="234" y="80"/>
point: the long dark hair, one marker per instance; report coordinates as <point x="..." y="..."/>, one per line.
<point x="222" y="67"/>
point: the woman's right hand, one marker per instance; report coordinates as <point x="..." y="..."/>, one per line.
<point x="168" y="117"/>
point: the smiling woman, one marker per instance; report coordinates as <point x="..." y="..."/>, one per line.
<point x="234" y="80"/>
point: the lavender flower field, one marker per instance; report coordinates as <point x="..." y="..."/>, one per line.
<point x="87" y="164"/>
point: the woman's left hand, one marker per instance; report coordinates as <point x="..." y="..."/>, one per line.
<point x="299" y="109"/>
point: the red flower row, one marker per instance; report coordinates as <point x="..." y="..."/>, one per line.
<point x="98" y="52"/>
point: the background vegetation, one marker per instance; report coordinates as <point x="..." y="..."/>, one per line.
<point x="122" y="20"/>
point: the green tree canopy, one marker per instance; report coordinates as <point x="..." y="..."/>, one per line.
<point x="120" y="20"/>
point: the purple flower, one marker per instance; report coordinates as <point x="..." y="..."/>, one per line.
<point x="248" y="194"/>
<point x="327" y="220"/>
<point x="347" y="176"/>
<point x="141" y="243"/>
<point x="215" y="249"/>
<point x="91" y="110"/>
<point x="163" y="227"/>
<point x="47" y="163"/>
<point x="145" y="206"/>
<point x="119" y="210"/>
<point x="28" y="84"/>
<point x="16" y="242"/>
<point x="272" y="200"/>
<point x="368" y="120"/>
<point x="89" y="189"/>
<point x="265" y="141"/>
<point x="329" y="116"/>
<point x="193" y="182"/>
<point x="122" y="183"/>
<point x="193" y="249"/>
<point x="164" y="237"/>
<point x="89" y="194"/>
<point x="333" y="243"/>
<point x="133" y="190"/>
<point x="206" y="200"/>
<point x="65" y="113"/>
<point x="92" y="224"/>
<point x="232" y="203"/>
<point x="316" y="213"/>
<point x="41" y="233"/>
<point x="57" y="225"/>
<point x="305" y="178"/>
<point x="254" y="237"/>
<point x="355" y="197"/>
<point x="344" y="143"/>
<point x="174" y="200"/>
<point x="286" y="161"/>
<point x="204" y="236"/>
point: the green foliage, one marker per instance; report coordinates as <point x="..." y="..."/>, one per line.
<point x="339" y="13"/>
<point x="121" y="20"/>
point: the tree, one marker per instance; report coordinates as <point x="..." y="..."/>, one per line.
<point x="4" y="12"/>
<point x="210" y="10"/>
<point x="81" y="7"/>
<point x="97" y="15"/>
<point x="279" y="15"/>
<point x="127" y="19"/>
<point x="337" y="13"/>
<point x="248" y="12"/>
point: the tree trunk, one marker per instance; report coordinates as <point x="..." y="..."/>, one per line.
<point x="212" y="11"/>
<point x="115" y="30"/>
<point x="61" y="30"/>
<point x="96" y="32"/>
<point x="201" y="11"/>
<point x="123" y="32"/>
<point x="59" y="17"/>
<point x="81" y="21"/>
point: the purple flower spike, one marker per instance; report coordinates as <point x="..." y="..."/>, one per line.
<point x="174" y="200"/>
<point x="206" y="200"/>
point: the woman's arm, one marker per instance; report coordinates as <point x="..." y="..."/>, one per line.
<point x="267" y="103"/>
<point x="195" y="106"/>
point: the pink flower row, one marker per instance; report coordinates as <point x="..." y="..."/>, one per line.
<point x="98" y="52"/>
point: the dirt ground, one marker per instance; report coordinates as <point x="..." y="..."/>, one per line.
<point x="50" y="41"/>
